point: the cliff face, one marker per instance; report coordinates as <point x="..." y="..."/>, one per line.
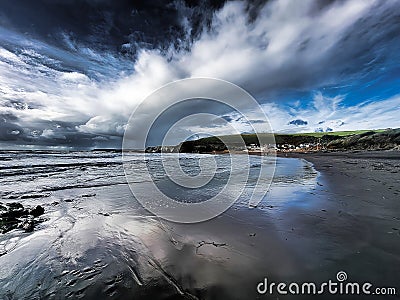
<point x="370" y="140"/>
<point x="206" y="145"/>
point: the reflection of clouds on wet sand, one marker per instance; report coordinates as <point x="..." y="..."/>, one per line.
<point x="99" y="243"/>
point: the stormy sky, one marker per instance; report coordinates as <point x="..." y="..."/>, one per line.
<point x="72" y="71"/>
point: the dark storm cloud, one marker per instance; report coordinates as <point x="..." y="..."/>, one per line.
<point x="119" y="26"/>
<point x="100" y="38"/>
<point x="9" y="131"/>
<point x="60" y="134"/>
<point x="190" y="108"/>
<point x="298" y="122"/>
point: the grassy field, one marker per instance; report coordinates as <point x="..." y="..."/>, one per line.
<point x="337" y="133"/>
<point x="234" y="137"/>
<point x="251" y="137"/>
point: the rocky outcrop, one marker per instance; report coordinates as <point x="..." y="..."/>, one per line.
<point x="14" y="215"/>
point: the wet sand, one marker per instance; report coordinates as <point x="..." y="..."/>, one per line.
<point x="350" y="221"/>
<point x="362" y="213"/>
<point x="346" y="218"/>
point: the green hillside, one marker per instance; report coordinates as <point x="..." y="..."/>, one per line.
<point x="340" y="140"/>
<point x="344" y="140"/>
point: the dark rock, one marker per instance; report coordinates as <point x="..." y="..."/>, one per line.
<point x="88" y="195"/>
<point x="15" y="205"/>
<point x="37" y="211"/>
<point x="14" y="210"/>
<point x="14" y="215"/>
<point x="7" y="225"/>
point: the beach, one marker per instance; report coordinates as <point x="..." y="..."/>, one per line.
<point x="220" y="149"/>
<point x="324" y="213"/>
<point x="362" y="190"/>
